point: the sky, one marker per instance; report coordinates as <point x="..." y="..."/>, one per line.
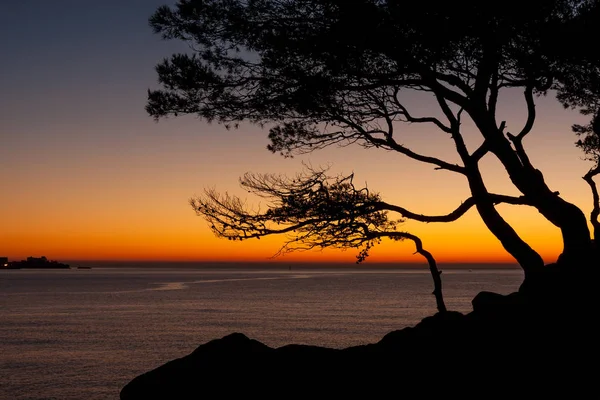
<point x="86" y="174"/>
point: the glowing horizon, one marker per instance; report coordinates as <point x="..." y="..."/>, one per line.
<point x="87" y="175"/>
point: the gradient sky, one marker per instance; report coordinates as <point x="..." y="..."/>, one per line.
<point x="86" y="174"/>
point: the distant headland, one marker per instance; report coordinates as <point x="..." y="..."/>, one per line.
<point x="32" y="262"/>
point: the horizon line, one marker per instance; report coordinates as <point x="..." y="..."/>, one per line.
<point x="221" y="263"/>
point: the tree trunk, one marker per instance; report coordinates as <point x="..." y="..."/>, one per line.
<point x="529" y="259"/>
<point x="577" y="244"/>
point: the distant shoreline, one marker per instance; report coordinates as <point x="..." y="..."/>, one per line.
<point x="287" y="266"/>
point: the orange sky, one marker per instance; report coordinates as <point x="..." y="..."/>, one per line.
<point x="87" y="175"/>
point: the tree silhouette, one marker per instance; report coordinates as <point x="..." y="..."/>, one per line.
<point x="335" y="72"/>
<point x="315" y="211"/>
<point x="590" y="144"/>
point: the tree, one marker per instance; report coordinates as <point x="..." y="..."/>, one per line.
<point x="590" y="144"/>
<point x="315" y="210"/>
<point x="324" y="72"/>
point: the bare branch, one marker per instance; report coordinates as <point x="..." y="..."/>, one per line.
<point x="446" y="93"/>
<point x="530" y="113"/>
<point x="390" y="143"/>
<point x="411" y="118"/>
<point x="595" y="201"/>
<point x="455" y="81"/>
<point x="454" y="215"/>
<point x="480" y="152"/>
<point x="482" y="82"/>
<point x="493" y="96"/>
<point x="459" y="142"/>
<point x="435" y="272"/>
<point x="518" y="139"/>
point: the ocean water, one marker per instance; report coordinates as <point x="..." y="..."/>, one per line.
<point x="83" y="334"/>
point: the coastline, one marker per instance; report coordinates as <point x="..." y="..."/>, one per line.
<point x="254" y="265"/>
<point x="549" y="329"/>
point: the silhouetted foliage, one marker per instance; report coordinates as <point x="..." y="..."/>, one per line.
<point x="315" y="211"/>
<point x="338" y="72"/>
<point x="318" y="210"/>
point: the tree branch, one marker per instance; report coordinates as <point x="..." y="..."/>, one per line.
<point x="458" y="139"/>
<point x="390" y="143"/>
<point x="445" y="92"/>
<point x="480" y="152"/>
<point x="486" y="69"/>
<point x="455" y="81"/>
<point x="435" y="272"/>
<point x="596" y="202"/>
<point x="531" y="114"/>
<point x="518" y="139"/>
<point x="454" y="215"/>
<point x="493" y="97"/>
<point x="410" y="118"/>
<point x="318" y="212"/>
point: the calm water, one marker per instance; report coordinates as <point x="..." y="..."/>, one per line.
<point x="83" y="334"/>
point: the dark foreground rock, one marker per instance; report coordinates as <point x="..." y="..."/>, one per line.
<point x="518" y="345"/>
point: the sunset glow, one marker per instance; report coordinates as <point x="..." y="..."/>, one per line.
<point x="87" y="175"/>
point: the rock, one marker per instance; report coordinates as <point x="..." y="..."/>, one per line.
<point x="218" y="358"/>
<point x="517" y="344"/>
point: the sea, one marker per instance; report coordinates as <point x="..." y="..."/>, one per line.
<point x="85" y="333"/>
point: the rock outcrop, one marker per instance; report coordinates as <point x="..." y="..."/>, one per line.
<point x="519" y="344"/>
